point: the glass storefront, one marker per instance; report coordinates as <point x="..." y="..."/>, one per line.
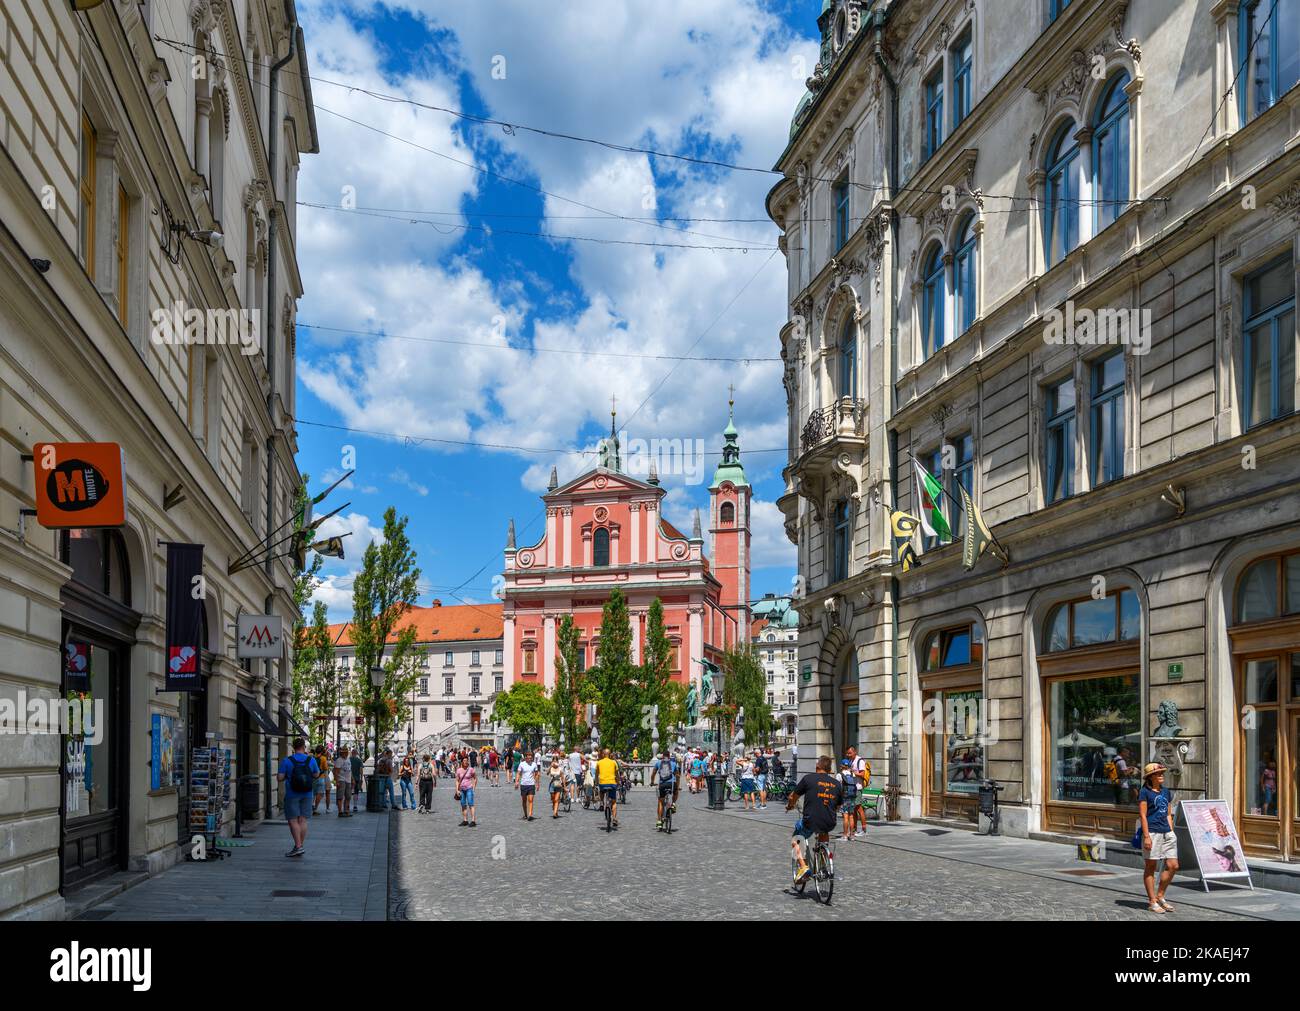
<point x="1095" y="728"/>
<point x="959" y="754"/>
<point x="91" y="781"/>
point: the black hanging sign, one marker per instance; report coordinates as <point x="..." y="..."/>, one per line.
<point x="184" y="617"/>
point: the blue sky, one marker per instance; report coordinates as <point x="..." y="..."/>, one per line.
<point x="449" y="330"/>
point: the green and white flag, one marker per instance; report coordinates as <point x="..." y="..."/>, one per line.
<point x="929" y="494"/>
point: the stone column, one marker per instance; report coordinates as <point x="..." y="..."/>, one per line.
<point x="634" y="513"/>
<point x="568" y="535"/>
<point x="551" y="557"/>
<point x="202" y="114"/>
<point x="548" y="650"/>
<point x="508" y="645"/>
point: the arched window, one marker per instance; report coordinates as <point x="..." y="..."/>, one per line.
<point x="1061" y="216"/>
<point x="727" y="514"/>
<point x="98" y="561"/>
<point x="1092" y="621"/>
<point x="932" y="301"/>
<point x="964" y="266"/>
<point x="1269" y="589"/>
<point x="600" y="547"/>
<point x="1110" y="144"/>
<point x="953" y="647"/>
<point x="217" y="155"/>
<point x="849" y="358"/>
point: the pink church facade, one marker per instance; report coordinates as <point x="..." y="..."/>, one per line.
<point x="605" y="529"/>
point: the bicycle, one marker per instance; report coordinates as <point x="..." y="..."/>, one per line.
<point x="670" y="803"/>
<point x="607" y="804"/>
<point x="567" y="801"/>
<point x="821" y="864"/>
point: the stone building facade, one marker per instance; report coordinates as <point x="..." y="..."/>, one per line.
<point x="1059" y="273"/>
<point x="120" y="157"/>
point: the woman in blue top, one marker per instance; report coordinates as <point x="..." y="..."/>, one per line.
<point x="1158" y="839"/>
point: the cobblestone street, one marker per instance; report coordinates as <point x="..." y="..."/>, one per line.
<point x="714" y="865"/>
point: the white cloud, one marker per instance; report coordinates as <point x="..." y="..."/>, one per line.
<point x="721" y="69"/>
<point x="400" y="476"/>
<point x="769" y="546"/>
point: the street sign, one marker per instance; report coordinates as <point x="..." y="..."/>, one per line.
<point x="259" y="636"/>
<point x="807" y="673"/>
<point x="1175" y="672"/>
<point x="79" y="484"/>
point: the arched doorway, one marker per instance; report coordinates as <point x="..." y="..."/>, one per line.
<point x="845" y="729"/>
<point x="1265" y="635"/>
<point x="953" y="720"/>
<point x="98" y="632"/>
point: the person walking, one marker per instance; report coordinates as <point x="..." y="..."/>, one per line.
<point x="358" y="776"/>
<point x="760" y="778"/>
<point x="575" y="771"/>
<point x="321" y="787"/>
<point x="426" y="785"/>
<point x="1159" y="843"/>
<point x="384" y="770"/>
<point x="745" y="773"/>
<point x="298" y="772"/>
<point x="557" y="776"/>
<point x="466" y="780"/>
<point x="343" y="782"/>
<point x="849" y="790"/>
<point x="406" y="776"/>
<point x="527" y="775"/>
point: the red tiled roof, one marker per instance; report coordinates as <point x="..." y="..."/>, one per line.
<point x="671" y="530"/>
<point x="459" y="623"/>
<point x="756" y="626"/>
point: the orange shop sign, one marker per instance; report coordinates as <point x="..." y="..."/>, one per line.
<point x="79" y="484"/>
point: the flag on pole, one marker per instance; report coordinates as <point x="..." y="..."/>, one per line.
<point x="928" y="495"/>
<point x="904" y="526"/>
<point x="976" y="535"/>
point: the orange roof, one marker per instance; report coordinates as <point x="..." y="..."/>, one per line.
<point x="756" y="626"/>
<point x="459" y="623"/>
<point x="671" y="530"/>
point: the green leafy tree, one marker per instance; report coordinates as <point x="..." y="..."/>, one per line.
<point x="613" y="683"/>
<point x="568" y="677"/>
<point x="305" y="581"/>
<point x="526" y="709"/>
<point x="745" y="686"/>
<point x="656" y="681"/>
<point x="383" y="592"/>
<point x="320" y="678"/>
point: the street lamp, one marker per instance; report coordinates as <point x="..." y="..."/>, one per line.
<point x="374" y="802"/>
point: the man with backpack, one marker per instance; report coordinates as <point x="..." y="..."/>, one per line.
<point x="665" y="770"/>
<point x="298" y="773"/>
<point x="760" y="778"/>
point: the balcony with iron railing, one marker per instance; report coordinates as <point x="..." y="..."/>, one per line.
<point x="830" y="431"/>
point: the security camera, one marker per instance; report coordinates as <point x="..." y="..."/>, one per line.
<point x="41" y="265"/>
<point x="208" y="236"/>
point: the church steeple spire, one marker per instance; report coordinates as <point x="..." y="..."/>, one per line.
<point x="730" y="468"/>
<point x="610" y="457"/>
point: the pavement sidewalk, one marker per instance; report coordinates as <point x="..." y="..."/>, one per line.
<point x="1048" y="860"/>
<point x="342" y="876"/>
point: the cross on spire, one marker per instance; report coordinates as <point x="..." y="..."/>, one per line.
<point x="731" y="399"/>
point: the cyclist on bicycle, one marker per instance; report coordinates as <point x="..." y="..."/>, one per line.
<point x="822" y="795"/>
<point x="607" y="770"/>
<point x="666" y="771"/>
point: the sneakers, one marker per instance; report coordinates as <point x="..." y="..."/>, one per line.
<point x="297" y="851"/>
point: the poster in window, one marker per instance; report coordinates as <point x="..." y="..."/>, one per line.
<point x="162" y="765"/>
<point x="1214" y="839"/>
<point x="76" y="666"/>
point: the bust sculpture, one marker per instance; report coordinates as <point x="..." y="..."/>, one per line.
<point x="1166" y="720"/>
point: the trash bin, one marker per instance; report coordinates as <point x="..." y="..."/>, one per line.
<point x="988" y="807"/>
<point x="717" y="792"/>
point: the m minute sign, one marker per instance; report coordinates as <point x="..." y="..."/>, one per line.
<point x="259" y="637"/>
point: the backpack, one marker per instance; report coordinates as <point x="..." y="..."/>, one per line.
<point x="665" y="769"/>
<point x="300" y="778"/>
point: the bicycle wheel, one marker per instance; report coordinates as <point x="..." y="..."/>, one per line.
<point x="796" y="886"/>
<point x="567" y="802"/>
<point x="824" y="876"/>
<point x="609" y="813"/>
<point x="668" y="816"/>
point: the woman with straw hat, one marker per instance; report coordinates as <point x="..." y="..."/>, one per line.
<point x="1158" y="840"/>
